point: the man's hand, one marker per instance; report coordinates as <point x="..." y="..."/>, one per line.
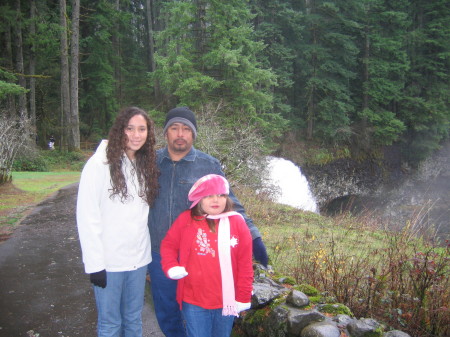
<point x="99" y="278"/>
<point x="259" y="252"/>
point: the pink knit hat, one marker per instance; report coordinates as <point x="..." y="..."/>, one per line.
<point x="208" y="185"/>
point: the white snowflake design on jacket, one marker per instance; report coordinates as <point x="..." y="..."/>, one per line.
<point x="234" y="241"/>
<point x="204" y="246"/>
<point x="203" y="243"/>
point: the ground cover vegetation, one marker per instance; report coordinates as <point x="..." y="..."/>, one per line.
<point x="399" y="278"/>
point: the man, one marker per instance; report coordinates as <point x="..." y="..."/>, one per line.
<point x="181" y="165"/>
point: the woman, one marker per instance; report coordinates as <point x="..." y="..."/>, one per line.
<point x="117" y="185"/>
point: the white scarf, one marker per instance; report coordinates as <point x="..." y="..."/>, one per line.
<point x="226" y="270"/>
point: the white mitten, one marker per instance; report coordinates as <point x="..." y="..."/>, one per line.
<point x="175" y="273"/>
<point x="242" y="306"/>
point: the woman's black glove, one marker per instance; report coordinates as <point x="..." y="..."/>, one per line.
<point x="99" y="278"/>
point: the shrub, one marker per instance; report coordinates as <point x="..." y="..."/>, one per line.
<point x="238" y="145"/>
<point x="15" y="136"/>
<point x="36" y="164"/>
<point x="46" y="160"/>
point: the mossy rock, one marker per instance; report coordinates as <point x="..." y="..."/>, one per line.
<point x="287" y="280"/>
<point x="315" y="299"/>
<point x="276" y="275"/>
<point x="377" y="333"/>
<point x="335" y="309"/>
<point x="307" y="289"/>
<point x="256" y="316"/>
<point x="278" y="301"/>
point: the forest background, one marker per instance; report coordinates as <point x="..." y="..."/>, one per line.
<point x="354" y="75"/>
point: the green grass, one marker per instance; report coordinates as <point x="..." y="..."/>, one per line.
<point x="34" y="178"/>
<point x="43" y="183"/>
<point x="26" y="190"/>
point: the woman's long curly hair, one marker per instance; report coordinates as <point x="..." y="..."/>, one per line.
<point x="145" y="164"/>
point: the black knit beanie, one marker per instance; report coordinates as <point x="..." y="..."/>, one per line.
<point x="181" y="115"/>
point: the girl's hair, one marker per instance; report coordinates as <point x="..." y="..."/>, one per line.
<point x="145" y="165"/>
<point x="197" y="213"/>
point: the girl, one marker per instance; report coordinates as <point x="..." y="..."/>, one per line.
<point x="117" y="185"/>
<point x="209" y="250"/>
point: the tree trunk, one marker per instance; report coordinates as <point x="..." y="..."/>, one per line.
<point x="311" y="103"/>
<point x="312" y="91"/>
<point x="151" y="47"/>
<point x="366" y="72"/>
<point x="9" y="59"/>
<point x="200" y="28"/>
<point x="33" y="67"/>
<point x="118" y="60"/>
<point x="65" y="89"/>
<point x="73" y="140"/>
<point x="151" y="44"/>
<point x="19" y="61"/>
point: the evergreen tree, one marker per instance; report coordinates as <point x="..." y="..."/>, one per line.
<point x="384" y="66"/>
<point x="134" y="54"/>
<point x="97" y="83"/>
<point x="9" y="87"/>
<point x="280" y="27"/>
<point x="326" y="66"/>
<point x="425" y="108"/>
<point x="47" y="74"/>
<point x="19" y="60"/>
<point x="206" y="53"/>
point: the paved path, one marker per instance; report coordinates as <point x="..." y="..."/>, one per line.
<point x="43" y="286"/>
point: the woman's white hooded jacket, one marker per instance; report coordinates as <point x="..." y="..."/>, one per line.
<point x="113" y="234"/>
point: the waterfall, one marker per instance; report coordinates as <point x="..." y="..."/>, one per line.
<point x="292" y="185"/>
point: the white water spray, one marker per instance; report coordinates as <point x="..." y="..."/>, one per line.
<point x="292" y="185"/>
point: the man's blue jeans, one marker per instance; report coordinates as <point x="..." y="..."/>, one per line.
<point x="164" y="292"/>
<point x="119" y="305"/>
<point x="202" y="322"/>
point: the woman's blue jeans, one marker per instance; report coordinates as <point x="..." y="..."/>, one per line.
<point x="164" y="292"/>
<point x="206" y="322"/>
<point x="119" y="305"/>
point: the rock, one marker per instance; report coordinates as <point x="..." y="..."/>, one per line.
<point x="322" y="329"/>
<point x="263" y="322"/>
<point x="342" y="177"/>
<point x="396" y="333"/>
<point x="342" y="320"/>
<point x="389" y="189"/>
<point x="299" y="319"/>
<point x="297" y="299"/>
<point x="365" y="327"/>
<point x="264" y="293"/>
<point x="276" y="323"/>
